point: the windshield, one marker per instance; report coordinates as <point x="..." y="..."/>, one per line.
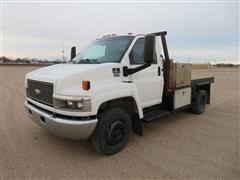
<point x="104" y="50"/>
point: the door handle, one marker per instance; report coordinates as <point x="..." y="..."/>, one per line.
<point x="159" y="71"/>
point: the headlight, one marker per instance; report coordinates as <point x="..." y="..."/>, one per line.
<point x="82" y="104"/>
<point x="70" y="103"/>
<point x="75" y="104"/>
<point x="79" y="105"/>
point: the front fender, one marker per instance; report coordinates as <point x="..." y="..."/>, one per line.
<point x="114" y="90"/>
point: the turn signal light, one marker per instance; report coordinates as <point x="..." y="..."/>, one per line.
<point x="86" y="85"/>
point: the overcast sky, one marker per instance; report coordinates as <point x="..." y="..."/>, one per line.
<point x="199" y="31"/>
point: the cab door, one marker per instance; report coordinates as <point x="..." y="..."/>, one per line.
<point x="149" y="81"/>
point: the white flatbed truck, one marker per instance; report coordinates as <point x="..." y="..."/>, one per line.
<point x="108" y="89"/>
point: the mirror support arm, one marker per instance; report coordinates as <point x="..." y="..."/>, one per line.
<point x="128" y="71"/>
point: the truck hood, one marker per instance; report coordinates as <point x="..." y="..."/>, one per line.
<point x="68" y="77"/>
<point x="59" y="71"/>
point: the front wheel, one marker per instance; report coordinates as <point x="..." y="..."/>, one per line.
<point x="199" y="105"/>
<point x="112" y="132"/>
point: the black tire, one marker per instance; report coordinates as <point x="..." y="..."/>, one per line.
<point x="112" y="132"/>
<point x="200" y="102"/>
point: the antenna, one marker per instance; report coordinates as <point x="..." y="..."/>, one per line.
<point x="62" y="51"/>
<point x="63" y="56"/>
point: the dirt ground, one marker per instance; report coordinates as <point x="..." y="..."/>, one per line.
<point x="182" y="146"/>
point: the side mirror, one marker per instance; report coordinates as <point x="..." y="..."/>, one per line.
<point x="149" y="49"/>
<point x="73" y="52"/>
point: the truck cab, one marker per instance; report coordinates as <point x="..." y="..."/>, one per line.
<point x="108" y="89"/>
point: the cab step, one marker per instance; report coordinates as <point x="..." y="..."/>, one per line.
<point x="155" y="114"/>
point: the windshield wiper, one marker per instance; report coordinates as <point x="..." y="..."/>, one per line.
<point x="83" y="61"/>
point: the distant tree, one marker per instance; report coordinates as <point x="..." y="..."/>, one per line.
<point x="28" y="60"/>
<point x="18" y="60"/>
<point x="5" y="59"/>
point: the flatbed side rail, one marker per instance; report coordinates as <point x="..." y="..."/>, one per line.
<point x="202" y="81"/>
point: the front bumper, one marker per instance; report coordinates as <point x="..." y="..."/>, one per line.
<point x="63" y="127"/>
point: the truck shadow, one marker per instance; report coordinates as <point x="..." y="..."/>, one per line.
<point x="177" y="119"/>
<point x="84" y="149"/>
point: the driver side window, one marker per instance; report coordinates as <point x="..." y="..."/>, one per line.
<point x="137" y="53"/>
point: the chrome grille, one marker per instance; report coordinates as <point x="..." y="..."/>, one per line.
<point x="40" y="91"/>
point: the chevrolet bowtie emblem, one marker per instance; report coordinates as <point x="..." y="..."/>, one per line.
<point x="37" y="91"/>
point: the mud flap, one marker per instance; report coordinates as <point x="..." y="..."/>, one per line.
<point x="137" y="125"/>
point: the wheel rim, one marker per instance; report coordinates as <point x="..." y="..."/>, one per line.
<point x="116" y="132"/>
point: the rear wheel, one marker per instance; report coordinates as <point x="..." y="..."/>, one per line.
<point x="199" y="105"/>
<point x="112" y="132"/>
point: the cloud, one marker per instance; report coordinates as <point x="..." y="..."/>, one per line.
<point x="199" y="30"/>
